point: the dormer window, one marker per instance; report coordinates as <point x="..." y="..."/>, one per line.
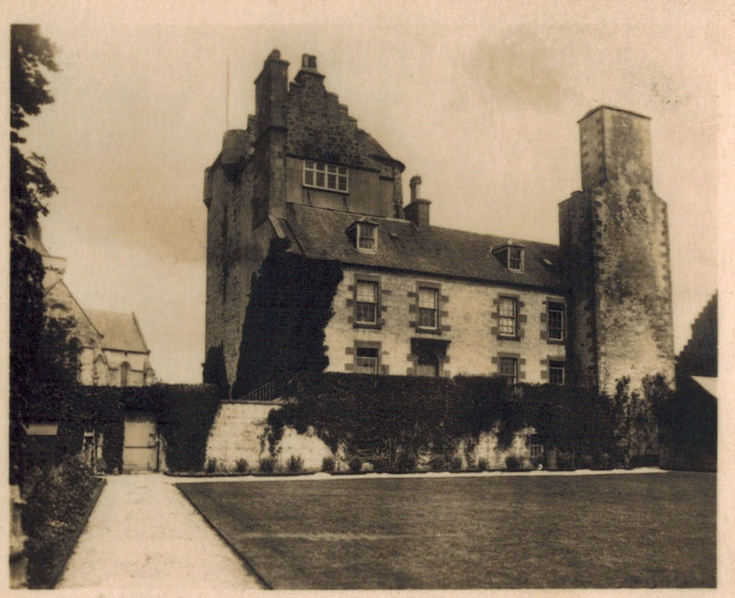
<point x="511" y="256"/>
<point x="321" y="175"/>
<point x="367" y="237"/>
<point x="515" y="258"/>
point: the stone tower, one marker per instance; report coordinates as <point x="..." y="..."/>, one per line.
<point x="615" y="252"/>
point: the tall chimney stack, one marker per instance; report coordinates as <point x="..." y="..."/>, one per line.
<point x="418" y="210"/>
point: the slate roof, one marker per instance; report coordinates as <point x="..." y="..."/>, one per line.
<point x="320" y="233"/>
<point x="120" y="331"/>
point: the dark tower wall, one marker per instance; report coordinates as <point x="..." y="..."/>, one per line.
<point x="615" y="249"/>
<point x="260" y="169"/>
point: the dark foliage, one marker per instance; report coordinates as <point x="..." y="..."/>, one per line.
<point x="185" y="414"/>
<point x="267" y="465"/>
<point x="26" y="323"/>
<point x="31" y="55"/>
<point x="214" y="370"/>
<point x="687" y="420"/>
<point x="290" y="305"/>
<point x="389" y="420"/>
<point x="58" y="352"/>
<point x="295" y="464"/>
<point x="57" y="500"/>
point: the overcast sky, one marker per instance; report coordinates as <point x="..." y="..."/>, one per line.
<point x="480" y="99"/>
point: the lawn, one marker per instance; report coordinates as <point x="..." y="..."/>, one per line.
<point x="647" y="530"/>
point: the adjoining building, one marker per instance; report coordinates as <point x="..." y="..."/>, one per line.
<point x="114" y="352"/>
<point x="423" y="300"/>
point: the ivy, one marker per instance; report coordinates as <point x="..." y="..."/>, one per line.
<point x="184" y="413"/>
<point x="290" y="306"/>
<point x="390" y="420"/>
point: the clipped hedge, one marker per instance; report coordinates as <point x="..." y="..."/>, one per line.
<point x="392" y="420"/>
<point x="185" y="414"/>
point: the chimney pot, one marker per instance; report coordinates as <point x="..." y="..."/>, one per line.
<point x="415" y="185"/>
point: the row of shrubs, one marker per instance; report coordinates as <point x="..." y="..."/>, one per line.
<point x="58" y="501"/>
<point x="437" y="463"/>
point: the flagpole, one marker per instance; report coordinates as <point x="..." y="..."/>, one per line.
<point x="227" y="95"/>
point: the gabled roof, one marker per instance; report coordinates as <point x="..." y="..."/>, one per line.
<point x="120" y="331"/>
<point x="320" y="233"/>
<point x="60" y="292"/>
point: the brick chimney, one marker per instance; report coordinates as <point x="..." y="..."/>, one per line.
<point x="418" y="210"/>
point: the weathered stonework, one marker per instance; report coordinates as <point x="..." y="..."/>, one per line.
<point x="467" y="324"/>
<point x="260" y="169"/>
<point x="611" y="269"/>
<point x="615" y="250"/>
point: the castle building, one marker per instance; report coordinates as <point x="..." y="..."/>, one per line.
<point x="422" y="300"/>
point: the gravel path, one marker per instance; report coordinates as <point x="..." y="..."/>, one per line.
<point x="144" y="534"/>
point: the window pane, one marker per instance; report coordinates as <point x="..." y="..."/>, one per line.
<point x="319" y="179"/>
<point x="366" y="305"/>
<point x="427" y="318"/>
<point x="367" y="291"/>
<point x="556" y="372"/>
<point x="321" y="166"/>
<point x="331" y="168"/>
<point x="427" y="297"/>
<point x="507" y="310"/>
<point x="342" y="184"/>
<point x="309" y="164"/>
<point x="366" y="360"/>
<point x="508" y="367"/>
<point x="366" y="236"/>
<point x="332" y="181"/>
<point x="309" y="177"/>
<point x="556" y="321"/>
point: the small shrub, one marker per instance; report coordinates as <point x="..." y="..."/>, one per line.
<point x="603" y="461"/>
<point x="328" y="464"/>
<point x="267" y="465"/>
<point x="438" y="463"/>
<point x="242" y="466"/>
<point x="565" y="461"/>
<point x="295" y="464"/>
<point x="211" y="466"/>
<point x="512" y="463"/>
<point x="406" y="462"/>
<point x="585" y="462"/>
<point x="482" y="464"/>
<point x="367" y="467"/>
<point x="455" y="464"/>
<point x="355" y="465"/>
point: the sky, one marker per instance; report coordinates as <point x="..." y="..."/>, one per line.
<point x="481" y="99"/>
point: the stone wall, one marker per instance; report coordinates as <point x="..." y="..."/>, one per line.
<point x="239" y="431"/>
<point x="467" y="320"/>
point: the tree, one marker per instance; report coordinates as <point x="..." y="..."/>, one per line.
<point x="31" y="56"/>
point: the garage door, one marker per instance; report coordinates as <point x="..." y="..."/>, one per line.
<point x="140" y="451"/>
